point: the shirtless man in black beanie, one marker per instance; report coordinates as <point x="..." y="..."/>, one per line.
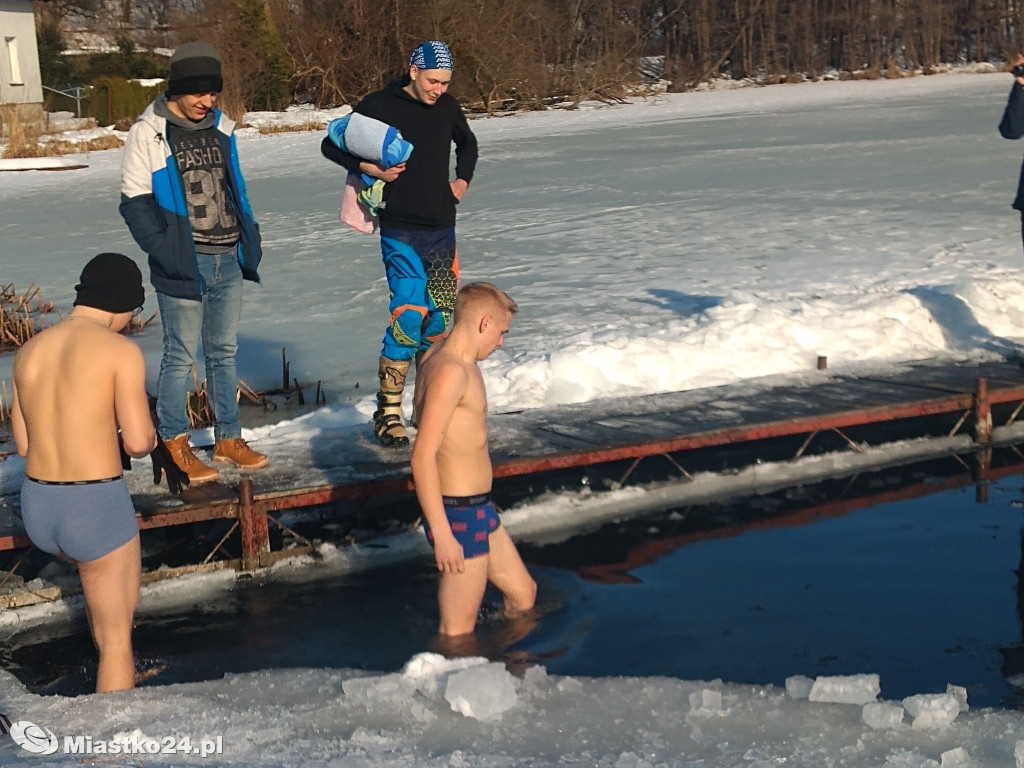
<point x="75" y="385"/>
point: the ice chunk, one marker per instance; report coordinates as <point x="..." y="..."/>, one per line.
<point x="903" y="758"/>
<point x="482" y="692"/>
<point x="961" y="695"/>
<point x="429" y="672"/>
<point x="882" y="714"/>
<point x="382" y="688"/>
<point x="424" y="666"/>
<point x="1018" y="753"/>
<point x="798" y="686"/>
<point x="932" y="710"/>
<point x="955" y="758"/>
<point x="631" y="760"/>
<point x="846" y="689"/>
<point x="706" y="701"/>
<point x="535" y="682"/>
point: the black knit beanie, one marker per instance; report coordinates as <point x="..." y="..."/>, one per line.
<point x="195" y="68"/>
<point x="111" y="282"/>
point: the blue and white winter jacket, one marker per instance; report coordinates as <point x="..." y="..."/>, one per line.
<point x="153" y="206"/>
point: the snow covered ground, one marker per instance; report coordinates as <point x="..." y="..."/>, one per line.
<point x="679" y="242"/>
<point x="465" y="712"/>
<point x="673" y="243"/>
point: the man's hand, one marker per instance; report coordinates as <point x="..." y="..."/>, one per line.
<point x="448" y="553"/>
<point x="163" y="464"/>
<point x="459" y="187"/>
<point x="379" y="172"/>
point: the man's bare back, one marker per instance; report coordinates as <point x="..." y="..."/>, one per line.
<point x="74" y="385"/>
<point x="79" y="381"/>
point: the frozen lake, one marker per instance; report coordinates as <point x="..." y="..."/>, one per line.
<point x="673" y="243"/>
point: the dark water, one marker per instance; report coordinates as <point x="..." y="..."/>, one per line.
<point x="899" y="573"/>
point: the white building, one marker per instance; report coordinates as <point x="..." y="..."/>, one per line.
<point x="20" y="83"/>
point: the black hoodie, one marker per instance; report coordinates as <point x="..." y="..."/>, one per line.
<point x="420" y="198"/>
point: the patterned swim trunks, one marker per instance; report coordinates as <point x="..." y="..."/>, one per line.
<point x="473" y="519"/>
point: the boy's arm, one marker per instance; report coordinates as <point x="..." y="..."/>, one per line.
<point x="18" y="424"/>
<point x="357" y="165"/>
<point x="336" y="154"/>
<point x="131" y="404"/>
<point x="465" y="154"/>
<point x="466" y="151"/>
<point x="138" y="205"/>
<point x="445" y="389"/>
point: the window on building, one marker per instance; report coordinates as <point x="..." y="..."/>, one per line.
<point x="12" y="57"/>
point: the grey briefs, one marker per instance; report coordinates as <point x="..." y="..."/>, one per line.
<point x="83" y="520"/>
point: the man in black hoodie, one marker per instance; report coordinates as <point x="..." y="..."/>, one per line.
<point x="418" y="219"/>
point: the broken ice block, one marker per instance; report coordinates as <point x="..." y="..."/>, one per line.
<point x="882" y="714"/>
<point x="798" y="686"/>
<point x="706" y="701"/>
<point x="932" y="710"/>
<point x="961" y="695"/>
<point x="846" y="689"/>
<point x="481" y="692"/>
<point x="956" y="758"/>
<point x="380" y="689"/>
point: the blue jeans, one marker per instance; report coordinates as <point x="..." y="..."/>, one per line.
<point x="216" y="318"/>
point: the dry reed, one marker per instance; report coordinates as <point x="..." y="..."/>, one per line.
<point x="312" y="125"/>
<point x="18" y="321"/>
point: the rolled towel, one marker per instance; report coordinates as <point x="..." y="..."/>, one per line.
<point x="352" y="211"/>
<point x="369" y="139"/>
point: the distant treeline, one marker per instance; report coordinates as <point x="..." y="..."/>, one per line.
<point x="522" y="53"/>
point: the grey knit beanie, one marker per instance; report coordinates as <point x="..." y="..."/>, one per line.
<point x="195" y="68"/>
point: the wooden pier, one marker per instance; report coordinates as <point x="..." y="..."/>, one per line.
<point x="824" y="412"/>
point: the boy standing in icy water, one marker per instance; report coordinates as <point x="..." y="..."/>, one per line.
<point x="451" y="466"/>
<point x="75" y="384"/>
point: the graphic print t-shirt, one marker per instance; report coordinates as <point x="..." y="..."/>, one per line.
<point x="203" y="170"/>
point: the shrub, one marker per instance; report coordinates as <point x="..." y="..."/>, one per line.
<point x="114" y="99"/>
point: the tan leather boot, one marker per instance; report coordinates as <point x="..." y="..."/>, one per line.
<point x="236" y="451"/>
<point x="198" y="472"/>
<point x="387" y="419"/>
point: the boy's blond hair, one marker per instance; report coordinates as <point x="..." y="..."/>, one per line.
<point x="478" y="295"/>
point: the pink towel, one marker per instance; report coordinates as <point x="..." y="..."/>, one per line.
<point x="352" y="213"/>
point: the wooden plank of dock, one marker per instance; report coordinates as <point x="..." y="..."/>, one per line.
<point x="599" y="431"/>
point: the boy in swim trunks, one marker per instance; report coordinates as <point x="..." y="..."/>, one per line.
<point x="451" y="466"/>
<point x="75" y="384"/>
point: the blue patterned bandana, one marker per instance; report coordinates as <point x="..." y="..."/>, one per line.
<point x="432" y="54"/>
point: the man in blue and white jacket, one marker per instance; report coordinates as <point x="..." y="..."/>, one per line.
<point x="183" y="198"/>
